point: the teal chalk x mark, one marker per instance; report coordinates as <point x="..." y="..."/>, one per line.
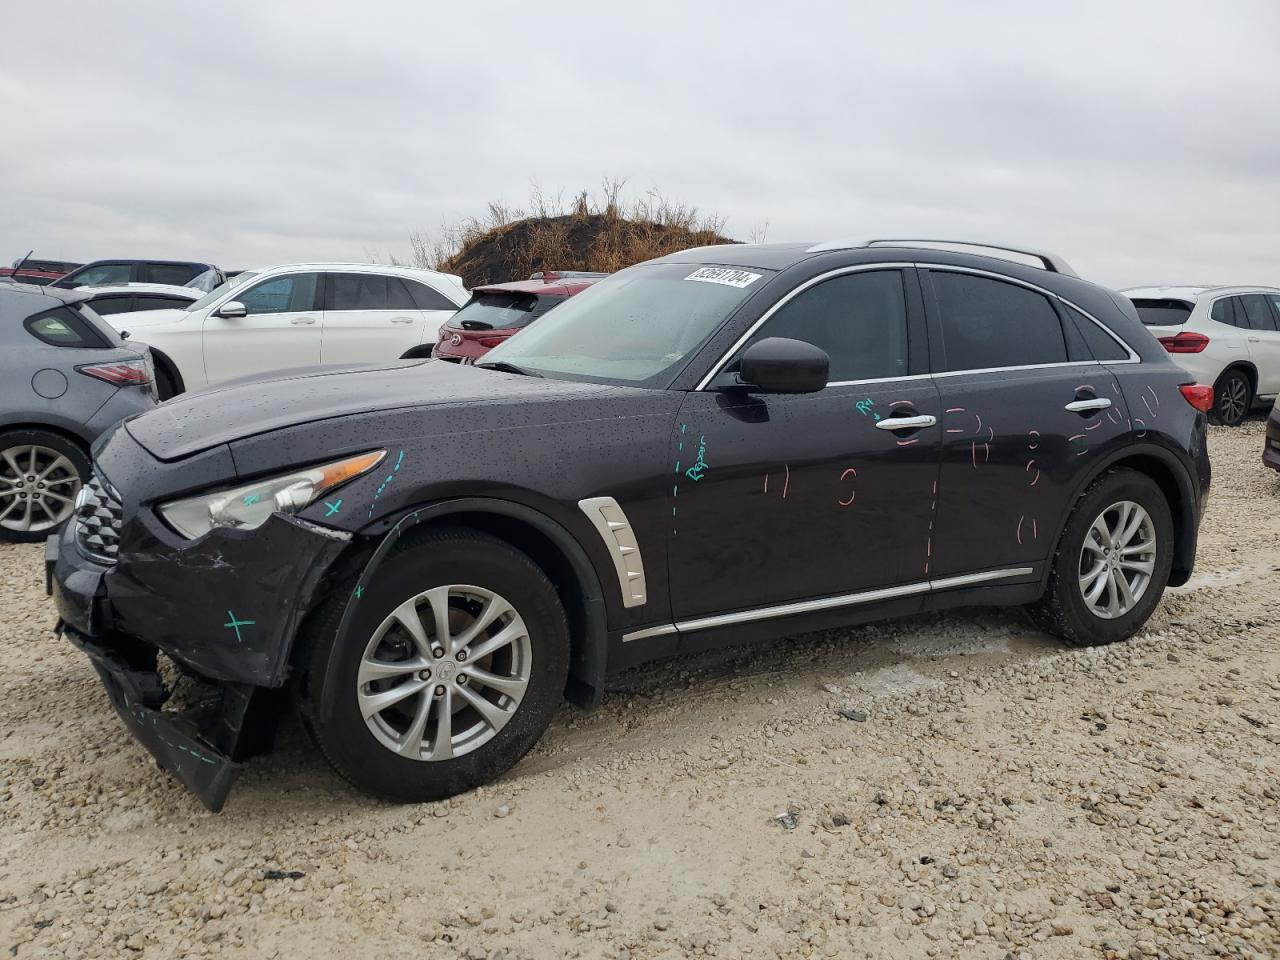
<point x="237" y="624"/>
<point x="333" y="507"/>
<point x="251" y="499"/>
<point x="359" y="592"/>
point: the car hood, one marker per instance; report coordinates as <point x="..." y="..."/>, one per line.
<point x="237" y="409"/>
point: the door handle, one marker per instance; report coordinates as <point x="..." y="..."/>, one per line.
<point x="906" y="423"/>
<point x="402" y="319"/>
<point x="1255" y="340"/>
<point x="1083" y="406"/>
<point x="299" y="321"/>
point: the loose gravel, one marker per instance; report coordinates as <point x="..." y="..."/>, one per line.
<point x="946" y="786"/>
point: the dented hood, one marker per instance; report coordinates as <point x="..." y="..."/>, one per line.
<point x="236" y="409"/>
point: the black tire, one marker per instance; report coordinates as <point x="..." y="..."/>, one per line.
<point x="1063" y="611"/>
<point x="420" y="352"/>
<point x="1232" y="398"/>
<point x="79" y="459"/>
<point x="165" y="386"/>
<point x="440" y="557"/>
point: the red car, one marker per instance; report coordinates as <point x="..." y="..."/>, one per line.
<point x="41" y="272"/>
<point x="496" y="311"/>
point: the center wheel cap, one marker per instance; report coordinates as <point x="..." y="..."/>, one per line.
<point x="447" y="669"/>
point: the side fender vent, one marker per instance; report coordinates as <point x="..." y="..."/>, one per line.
<point x="620" y="540"/>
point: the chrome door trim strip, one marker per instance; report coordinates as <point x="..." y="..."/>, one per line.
<point x="828" y="603"/>
<point x="620" y="541"/>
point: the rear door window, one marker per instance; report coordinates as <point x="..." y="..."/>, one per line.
<point x="988" y="323"/>
<point x="1162" y="313"/>
<point x="357" y="291"/>
<point x="1224" y="311"/>
<point x="63" y="327"/>
<point x="173" y="273"/>
<point x="1257" y="313"/>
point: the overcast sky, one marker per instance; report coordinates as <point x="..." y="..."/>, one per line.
<point x="1138" y="140"/>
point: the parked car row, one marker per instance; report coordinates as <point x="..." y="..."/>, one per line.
<point x="728" y="443"/>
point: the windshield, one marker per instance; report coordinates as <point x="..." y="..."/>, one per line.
<point x="501" y="310"/>
<point x="635" y="327"/>
<point x="225" y="287"/>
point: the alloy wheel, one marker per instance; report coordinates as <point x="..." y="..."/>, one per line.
<point x="444" y="672"/>
<point x="1233" y="397"/>
<point x="1117" y="559"/>
<point x="38" y="487"/>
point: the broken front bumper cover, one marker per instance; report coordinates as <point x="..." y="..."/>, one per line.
<point x="173" y="739"/>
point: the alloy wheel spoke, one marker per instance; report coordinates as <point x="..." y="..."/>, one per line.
<point x="1102" y="532"/>
<point x="511" y="686"/>
<point x="504" y="637"/>
<point x="411" y="741"/>
<point x="1122" y="585"/>
<point x="59" y="481"/>
<point x="1100" y="581"/>
<point x="44" y="505"/>
<point x="494" y="608"/>
<point x="371" y="670"/>
<point x="442" y="745"/>
<point x="59" y="461"/>
<point x="1135" y="549"/>
<point x="13" y="505"/>
<point x="494" y="715"/>
<point x="371" y="703"/>
<point x="407" y="616"/>
<point x="57" y="497"/>
<point x="438" y="599"/>
<point x="1138" y="566"/>
<point x="1113" y="594"/>
<point x="12" y="462"/>
<point x="1135" y="525"/>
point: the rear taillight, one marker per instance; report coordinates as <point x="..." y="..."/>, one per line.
<point x="121" y="372"/>
<point x="491" y="341"/>
<point x="1198" y="395"/>
<point x="1185" y="343"/>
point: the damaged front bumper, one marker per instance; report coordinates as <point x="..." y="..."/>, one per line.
<point x="225" y="607"/>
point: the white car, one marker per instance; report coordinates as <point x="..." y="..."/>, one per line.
<point x="136" y="297"/>
<point x="296" y="315"/>
<point x="1226" y="336"/>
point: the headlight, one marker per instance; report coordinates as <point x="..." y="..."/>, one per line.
<point x="249" y="506"/>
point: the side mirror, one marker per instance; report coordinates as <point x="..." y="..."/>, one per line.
<point x="782" y="365"/>
<point x="232" y="310"/>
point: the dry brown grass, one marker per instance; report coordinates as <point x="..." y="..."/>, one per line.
<point x="599" y="232"/>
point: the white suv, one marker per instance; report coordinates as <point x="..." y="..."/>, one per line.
<point x="296" y="315"/>
<point x="1226" y="336"/>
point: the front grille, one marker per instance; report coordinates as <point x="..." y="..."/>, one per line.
<point x="98" y="520"/>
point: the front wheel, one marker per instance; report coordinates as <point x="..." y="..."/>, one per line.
<point x="1112" y="563"/>
<point x="40" y="474"/>
<point x="451" y="668"/>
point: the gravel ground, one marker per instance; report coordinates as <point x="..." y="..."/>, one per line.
<point x="989" y="794"/>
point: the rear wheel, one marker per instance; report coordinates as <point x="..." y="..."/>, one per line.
<point x="452" y="667"/>
<point x="1112" y="563"/>
<point x="1232" y="397"/>
<point x="40" y="474"/>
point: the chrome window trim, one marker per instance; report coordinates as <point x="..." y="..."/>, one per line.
<point x="828" y="603"/>
<point x="620" y="541"/>
<point x="737" y="344"/>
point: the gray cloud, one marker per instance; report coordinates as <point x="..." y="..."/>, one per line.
<point x="1136" y="139"/>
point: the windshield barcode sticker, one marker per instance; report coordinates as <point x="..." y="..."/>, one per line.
<point x="730" y="278"/>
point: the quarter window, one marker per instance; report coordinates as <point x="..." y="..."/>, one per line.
<point x="428" y="298"/>
<point x="62" y="327"/>
<point x="1224" y="311"/>
<point x="1256" y="312"/>
<point x="859" y="319"/>
<point x="1101" y="344"/>
<point x="988" y="323"/>
<point x="293" y="293"/>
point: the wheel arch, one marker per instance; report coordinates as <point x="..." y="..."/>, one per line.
<point x="547" y="543"/>
<point x="1175" y="482"/>
<point x="421" y="352"/>
<point x="63" y="430"/>
<point x="1245" y="366"/>
<point x="165" y="362"/>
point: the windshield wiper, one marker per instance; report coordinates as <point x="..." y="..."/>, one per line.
<point x="503" y="367"/>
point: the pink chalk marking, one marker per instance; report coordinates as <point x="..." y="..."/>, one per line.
<point x="973" y="452"/>
<point x="1148" y="406"/>
<point x="1019" y="533"/>
<point x="1154" y="396"/>
<point x="1095" y="425"/>
<point x="991" y="434"/>
<point x="955" y="409"/>
<point x="978" y="429"/>
<point x="766" y="483"/>
<point x="1143" y="432"/>
<point x="1112" y="416"/>
<point x="1030" y="444"/>
<point x="786" y="482"/>
<point x="986" y="452"/>
<point x="935" y="488"/>
<point x="1035" y="529"/>
<point x="907" y="443"/>
<point x="1030" y="464"/>
<point x="852" y="493"/>
<point x="1086" y="386"/>
<point x="954" y="430"/>
<point x="900" y="403"/>
<point x="1080" y="436"/>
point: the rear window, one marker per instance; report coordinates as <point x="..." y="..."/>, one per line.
<point x="63" y="327"/>
<point x="502" y="310"/>
<point x="1163" y="313"/>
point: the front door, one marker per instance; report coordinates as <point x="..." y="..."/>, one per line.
<point x="281" y="329"/>
<point x="1023" y="412"/>
<point x="779" y="498"/>
<point x="369" y="316"/>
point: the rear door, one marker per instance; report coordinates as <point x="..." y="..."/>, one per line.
<point x="435" y="307"/>
<point x="281" y="328"/>
<point x="369" y="316"/>
<point x="1264" y="340"/>
<point x="1025" y="408"/>
<point x="779" y="498"/>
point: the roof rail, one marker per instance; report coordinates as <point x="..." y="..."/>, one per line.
<point x="1050" y="261"/>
